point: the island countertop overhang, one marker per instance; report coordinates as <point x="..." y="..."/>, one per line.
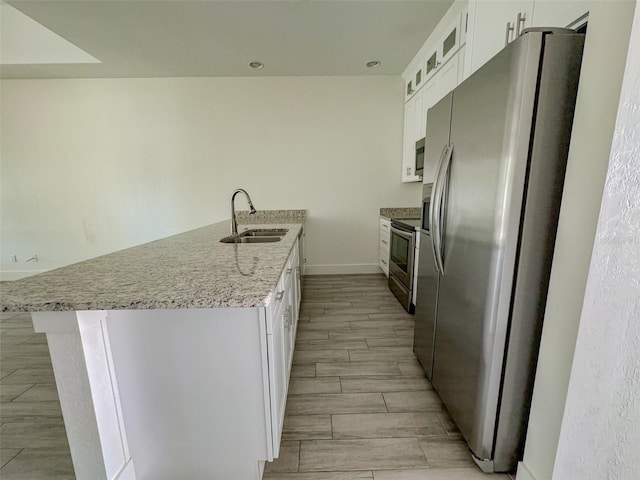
<point x="188" y="270"/>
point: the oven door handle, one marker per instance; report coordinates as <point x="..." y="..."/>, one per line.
<point x="402" y="233"/>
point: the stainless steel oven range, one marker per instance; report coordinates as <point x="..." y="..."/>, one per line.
<point x="401" y="259"/>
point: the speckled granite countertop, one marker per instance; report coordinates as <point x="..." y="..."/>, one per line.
<point x="405" y="212"/>
<point x="188" y="270"/>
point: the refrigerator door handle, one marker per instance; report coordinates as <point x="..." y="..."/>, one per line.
<point x="441" y="180"/>
<point x="433" y="209"/>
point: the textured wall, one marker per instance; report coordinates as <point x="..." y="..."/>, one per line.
<point x="603" y="64"/>
<point x="600" y="436"/>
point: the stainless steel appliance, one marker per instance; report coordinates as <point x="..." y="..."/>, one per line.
<point x="428" y="278"/>
<point x="401" y="259"/>
<point x="420" y="157"/>
<point x="500" y="141"/>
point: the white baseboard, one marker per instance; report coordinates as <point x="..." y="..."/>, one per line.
<point x="342" y="269"/>
<point x="7" y="275"/>
<point x="523" y="473"/>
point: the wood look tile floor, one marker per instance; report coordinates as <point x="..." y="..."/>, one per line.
<point x="33" y="441"/>
<point x="359" y="406"/>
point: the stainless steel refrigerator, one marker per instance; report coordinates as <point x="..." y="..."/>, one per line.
<point x="500" y="142"/>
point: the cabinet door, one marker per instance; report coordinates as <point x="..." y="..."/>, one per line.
<point x="494" y="25"/>
<point x="431" y="64"/>
<point x="418" y="122"/>
<point x="449" y="76"/>
<point x="561" y="13"/>
<point x="416" y="259"/>
<point x="408" y="144"/>
<point x="462" y="63"/>
<point x="297" y="290"/>
<point x="383" y="249"/>
<point x="289" y="337"/>
<point x="276" y="346"/>
<point x="412" y="127"/>
<point x="431" y="94"/>
<point x="450" y="40"/>
<point x="464" y="24"/>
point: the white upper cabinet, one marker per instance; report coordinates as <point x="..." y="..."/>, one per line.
<point x="449" y="41"/>
<point x="419" y="126"/>
<point x="559" y="13"/>
<point x="412" y="128"/>
<point x="431" y="63"/>
<point x="415" y="82"/>
<point x="433" y="72"/>
<point x="468" y="36"/>
<point x="493" y="24"/>
<point x="448" y="76"/>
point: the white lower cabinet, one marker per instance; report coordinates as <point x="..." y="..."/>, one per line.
<point x="282" y="321"/>
<point x="383" y="249"/>
<point x="416" y="260"/>
<point x="176" y="393"/>
<point x="277" y="351"/>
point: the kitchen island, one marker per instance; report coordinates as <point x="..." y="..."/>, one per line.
<point x="172" y="358"/>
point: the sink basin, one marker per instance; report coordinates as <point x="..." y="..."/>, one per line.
<point x="257" y="235"/>
<point x="263" y="232"/>
<point x="250" y="239"/>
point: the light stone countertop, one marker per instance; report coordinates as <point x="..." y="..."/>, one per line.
<point x="400" y="212"/>
<point x="188" y="270"/>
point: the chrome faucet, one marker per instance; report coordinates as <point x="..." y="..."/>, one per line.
<point x="234" y="222"/>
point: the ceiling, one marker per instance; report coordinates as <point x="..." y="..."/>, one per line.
<point x="177" y="38"/>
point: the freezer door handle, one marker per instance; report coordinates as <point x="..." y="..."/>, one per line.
<point x="436" y="205"/>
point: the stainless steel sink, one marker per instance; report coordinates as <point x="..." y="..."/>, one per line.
<point x="257" y="235"/>
<point x="250" y="239"/>
<point x="260" y="232"/>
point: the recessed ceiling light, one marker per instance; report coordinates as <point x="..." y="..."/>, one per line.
<point x="256" y="65"/>
<point x="373" y="64"/>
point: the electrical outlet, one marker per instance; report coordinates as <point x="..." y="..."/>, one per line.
<point x="14" y="259"/>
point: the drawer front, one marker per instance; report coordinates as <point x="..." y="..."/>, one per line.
<point x="383" y="259"/>
<point x="385" y="239"/>
<point x="274" y="309"/>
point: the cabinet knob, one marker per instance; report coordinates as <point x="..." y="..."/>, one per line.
<point x="385" y="242"/>
<point x="279" y="295"/>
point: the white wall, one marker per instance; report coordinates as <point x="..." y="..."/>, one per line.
<point x="600" y="436"/>
<point x="93" y="166"/>
<point x="598" y="94"/>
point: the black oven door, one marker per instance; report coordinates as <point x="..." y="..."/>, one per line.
<point x="401" y="255"/>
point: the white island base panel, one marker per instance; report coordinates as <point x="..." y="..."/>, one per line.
<point x="183" y="393"/>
